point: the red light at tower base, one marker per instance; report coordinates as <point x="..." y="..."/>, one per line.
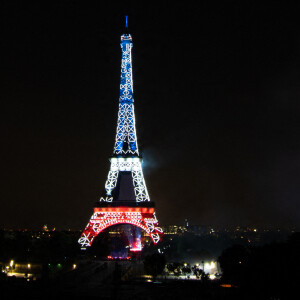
<point x="136" y="246"/>
<point x="136" y="239"/>
<point x="103" y="217"/>
<point x="109" y="257"/>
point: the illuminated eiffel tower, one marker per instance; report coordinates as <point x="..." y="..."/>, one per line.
<point x="126" y="199"/>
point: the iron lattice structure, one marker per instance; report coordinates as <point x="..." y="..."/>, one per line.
<point x="126" y="199"/>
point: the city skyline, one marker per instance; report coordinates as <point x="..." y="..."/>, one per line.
<point x="216" y="107"/>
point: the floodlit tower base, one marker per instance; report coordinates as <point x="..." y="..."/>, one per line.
<point x="104" y="216"/>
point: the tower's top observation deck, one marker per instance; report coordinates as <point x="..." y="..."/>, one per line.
<point x="126" y="37"/>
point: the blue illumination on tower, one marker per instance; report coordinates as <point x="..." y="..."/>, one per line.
<point x="126" y="141"/>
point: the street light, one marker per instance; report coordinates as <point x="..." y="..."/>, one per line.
<point x="11" y="264"/>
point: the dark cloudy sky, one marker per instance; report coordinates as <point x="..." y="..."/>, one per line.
<point x="216" y="89"/>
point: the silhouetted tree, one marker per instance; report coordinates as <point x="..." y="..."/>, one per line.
<point x="154" y="264"/>
<point x="270" y="270"/>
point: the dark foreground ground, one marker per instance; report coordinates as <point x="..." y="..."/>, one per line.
<point x="112" y="280"/>
<point x="268" y="272"/>
<point x="126" y="290"/>
<point x="121" y="280"/>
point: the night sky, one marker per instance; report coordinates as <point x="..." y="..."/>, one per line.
<point x="216" y="88"/>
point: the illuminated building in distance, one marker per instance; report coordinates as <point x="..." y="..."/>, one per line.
<point x="126" y="199"/>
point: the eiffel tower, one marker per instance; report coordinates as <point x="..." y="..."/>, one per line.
<point x="126" y="199"/>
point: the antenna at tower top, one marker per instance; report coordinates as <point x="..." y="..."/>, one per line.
<point x="126" y="22"/>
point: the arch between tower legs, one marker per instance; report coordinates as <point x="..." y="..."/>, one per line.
<point x="104" y="217"/>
